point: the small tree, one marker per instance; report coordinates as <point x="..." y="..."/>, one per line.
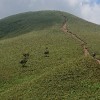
<point x="23" y="62"/>
<point x="25" y="59"/>
<point x="46" y="53"/>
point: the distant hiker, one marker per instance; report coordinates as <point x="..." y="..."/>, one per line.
<point x="93" y="55"/>
<point x="46" y="52"/>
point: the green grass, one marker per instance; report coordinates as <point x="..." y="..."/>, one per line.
<point x="65" y="75"/>
<point x="88" y="32"/>
<point x="26" y="22"/>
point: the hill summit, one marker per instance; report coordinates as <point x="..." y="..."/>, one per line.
<point x="49" y="55"/>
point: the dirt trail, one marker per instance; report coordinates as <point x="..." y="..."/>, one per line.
<point x="85" y="50"/>
<point x="98" y="61"/>
<point x="83" y="43"/>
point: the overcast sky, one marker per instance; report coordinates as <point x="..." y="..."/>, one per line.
<point x="86" y="9"/>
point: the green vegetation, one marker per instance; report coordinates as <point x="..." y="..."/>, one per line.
<point x="27" y="22"/>
<point x="65" y="75"/>
<point x="88" y="32"/>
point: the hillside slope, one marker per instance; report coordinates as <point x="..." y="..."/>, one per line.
<point x="65" y="75"/>
<point x="27" y="22"/>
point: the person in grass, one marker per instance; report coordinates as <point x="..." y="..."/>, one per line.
<point x="94" y="54"/>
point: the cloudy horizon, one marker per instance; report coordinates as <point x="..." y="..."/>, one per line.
<point x="85" y="9"/>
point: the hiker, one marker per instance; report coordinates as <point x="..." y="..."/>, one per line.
<point x="93" y="55"/>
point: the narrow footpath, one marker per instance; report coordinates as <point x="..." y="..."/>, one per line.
<point x="82" y="42"/>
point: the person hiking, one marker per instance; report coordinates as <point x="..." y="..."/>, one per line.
<point x="93" y="55"/>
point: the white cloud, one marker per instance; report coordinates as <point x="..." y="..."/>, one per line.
<point x="91" y="12"/>
<point x="86" y="9"/>
<point x="73" y="2"/>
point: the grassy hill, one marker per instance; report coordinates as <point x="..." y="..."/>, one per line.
<point x="65" y="75"/>
<point x="27" y="22"/>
